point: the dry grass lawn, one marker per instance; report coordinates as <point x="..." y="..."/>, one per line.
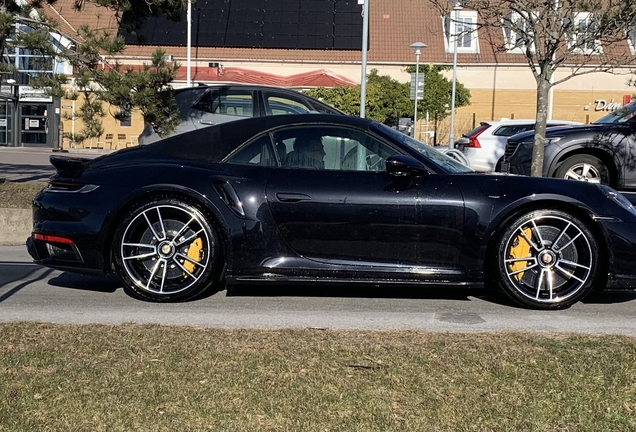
<point x="18" y="195"/>
<point x="154" y="378"/>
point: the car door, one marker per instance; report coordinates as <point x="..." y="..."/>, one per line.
<point x="223" y="104"/>
<point x="626" y="153"/>
<point x="351" y="211"/>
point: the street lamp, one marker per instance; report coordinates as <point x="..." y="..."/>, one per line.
<point x="365" y="47"/>
<point x="417" y="47"/>
<point x="451" y="136"/>
<point x="189" y="45"/>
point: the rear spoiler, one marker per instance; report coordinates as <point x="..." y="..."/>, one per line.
<point x="67" y="166"/>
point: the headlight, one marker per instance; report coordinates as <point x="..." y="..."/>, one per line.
<point x="552" y="140"/>
<point x="548" y="141"/>
<point x="618" y="198"/>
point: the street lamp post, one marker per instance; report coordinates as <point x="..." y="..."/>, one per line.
<point x="451" y="135"/>
<point x="417" y="47"/>
<point x="365" y="46"/>
<point x="189" y="45"/>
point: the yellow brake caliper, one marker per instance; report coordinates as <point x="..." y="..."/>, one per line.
<point x="194" y="253"/>
<point x="520" y="249"/>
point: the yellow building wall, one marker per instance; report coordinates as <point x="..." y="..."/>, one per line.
<point x="122" y="136"/>
<point x="498" y="104"/>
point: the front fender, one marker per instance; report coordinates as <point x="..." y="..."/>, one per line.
<point x="526" y="204"/>
<point x="555" y="155"/>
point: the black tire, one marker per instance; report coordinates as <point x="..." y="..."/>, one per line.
<point x="166" y="249"/>
<point x="546" y="259"/>
<point x="584" y="167"/>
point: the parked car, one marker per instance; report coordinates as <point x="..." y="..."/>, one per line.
<point x="319" y="199"/>
<point x="485" y="145"/>
<point x="206" y="105"/>
<point x="601" y="152"/>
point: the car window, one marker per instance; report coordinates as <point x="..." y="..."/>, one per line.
<point x="621" y="115"/>
<point x="258" y="152"/>
<point x="331" y="148"/>
<point x="479" y="129"/>
<point x="510" y="130"/>
<point x="229" y="102"/>
<point x="277" y="104"/>
<point x="433" y="156"/>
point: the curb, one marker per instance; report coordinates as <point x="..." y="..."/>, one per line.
<point x="15" y="226"/>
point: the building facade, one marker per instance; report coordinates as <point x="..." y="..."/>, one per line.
<point x="501" y="83"/>
<point x="28" y="116"/>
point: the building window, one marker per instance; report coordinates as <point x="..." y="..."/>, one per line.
<point x="518" y="33"/>
<point x="124" y="117"/>
<point x="464" y="29"/>
<point x="26" y="60"/>
<point x="583" y="33"/>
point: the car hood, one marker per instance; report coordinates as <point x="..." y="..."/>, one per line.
<point x="561" y="131"/>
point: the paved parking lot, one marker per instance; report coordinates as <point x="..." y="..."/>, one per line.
<point x="32" y="164"/>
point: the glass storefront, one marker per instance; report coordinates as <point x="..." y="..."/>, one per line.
<point x="28" y="124"/>
<point x="34" y="125"/>
<point x="6" y="122"/>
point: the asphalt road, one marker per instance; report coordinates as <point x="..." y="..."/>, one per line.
<point x="32" y="293"/>
<point x="32" y="164"/>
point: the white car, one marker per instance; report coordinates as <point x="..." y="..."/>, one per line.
<point x="485" y="145"/>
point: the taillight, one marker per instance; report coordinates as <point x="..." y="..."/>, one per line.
<point x="473" y="142"/>
<point x="52" y="239"/>
<point x="70" y="187"/>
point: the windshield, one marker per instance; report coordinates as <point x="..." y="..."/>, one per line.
<point x="621" y="115"/>
<point x="437" y="158"/>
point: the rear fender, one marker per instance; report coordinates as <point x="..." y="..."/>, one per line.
<point x="110" y="224"/>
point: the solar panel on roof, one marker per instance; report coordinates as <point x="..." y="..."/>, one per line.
<point x="286" y="24"/>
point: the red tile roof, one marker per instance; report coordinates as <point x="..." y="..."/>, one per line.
<point x="393" y="26"/>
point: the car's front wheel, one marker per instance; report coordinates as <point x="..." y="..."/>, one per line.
<point x="166" y="249"/>
<point x="547" y="259"/>
<point x="583" y="167"/>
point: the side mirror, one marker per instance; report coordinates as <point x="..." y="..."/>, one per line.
<point x="405" y="166"/>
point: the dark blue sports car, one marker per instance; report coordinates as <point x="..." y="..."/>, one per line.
<point x="316" y="198"/>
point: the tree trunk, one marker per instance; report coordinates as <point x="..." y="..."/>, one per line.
<point x="538" y="149"/>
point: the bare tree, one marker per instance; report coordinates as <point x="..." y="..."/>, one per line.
<point x="581" y="36"/>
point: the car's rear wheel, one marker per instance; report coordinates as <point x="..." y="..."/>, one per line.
<point x="586" y="168"/>
<point x="547" y="259"/>
<point x="166" y="249"/>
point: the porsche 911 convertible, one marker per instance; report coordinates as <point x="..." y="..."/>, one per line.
<point x="318" y="199"/>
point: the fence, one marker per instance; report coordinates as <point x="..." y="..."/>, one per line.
<point x="436" y="132"/>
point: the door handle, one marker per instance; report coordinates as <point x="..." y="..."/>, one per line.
<point x="292" y="197"/>
<point x="206" y="122"/>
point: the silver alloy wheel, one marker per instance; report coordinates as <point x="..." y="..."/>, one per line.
<point x="583" y="172"/>
<point x="165" y="249"/>
<point x="548" y="259"/>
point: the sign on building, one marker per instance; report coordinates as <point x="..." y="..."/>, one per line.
<point x="30" y="94"/>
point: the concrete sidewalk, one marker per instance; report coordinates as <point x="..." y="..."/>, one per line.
<point x="15" y="226"/>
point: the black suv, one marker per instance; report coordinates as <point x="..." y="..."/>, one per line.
<point x="601" y="152"/>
